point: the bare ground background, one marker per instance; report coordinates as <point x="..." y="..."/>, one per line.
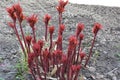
<point x="105" y="66"/>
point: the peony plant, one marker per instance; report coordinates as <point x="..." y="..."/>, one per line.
<point x="51" y="62"/>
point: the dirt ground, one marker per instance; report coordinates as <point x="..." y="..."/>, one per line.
<point x="105" y="63"/>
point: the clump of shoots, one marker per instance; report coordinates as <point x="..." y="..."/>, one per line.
<point x="48" y="62"/>
<point x="16" y="13"/>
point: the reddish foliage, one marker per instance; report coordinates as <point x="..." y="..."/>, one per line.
<point x="61" y="29"/>
<point x="47" y="18"/>
<point x="41" y="43"/>
<point x="46" y="53"/>
<point x="82" y="55"/>
<point x="32" y="20"/>
<point x="42" y="55"/>
<point x="75" y="68"/>
<point x="61" y="6"/>
<point x="31" y="57"/>
<point x="11" y="13"/>
<point x="73" y="41"/>
<point x="36" y="47"/>
<point x="80" y="27"/>
<point x="51" y="29"/>
<point x="18" y="11"/>
<point x="96" y="28"/>
<point x="28" y="39"/>
<point x="11" y="24"/>
<point x="81" y="36"/>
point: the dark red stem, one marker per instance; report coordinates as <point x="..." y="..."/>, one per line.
<point x="29" y="48"/>
<point x="76" y="76"/>
<point x="69" y="63"/>
<point x="38" y="70"/>
<point x="63" y="72"/>
<point x="70" y="75"/>
<point x="59" y="33"/>
<point x="34" y="36"/>
<point x="45" y="69"/>
<point x="53" y="61"/>
<point x="41" y="60"/>
<point x="90" y="53"/>
<point x="16" y="32"/>
<point x="81" y="60"/>
<point x="33" y="74"/>
<point x="46" y="28"/>
<point x="60" y="19"/>
<point x="74" y="55"/>
<point x="23" y="36"/>
<point x="50" y="42"/>
<point x="78" y="51"/>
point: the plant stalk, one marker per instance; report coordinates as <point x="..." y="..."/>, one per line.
<point x="78" y="51"/>
<point x="23" y="36"/>
<point x="34" y="36"/>
<point x="16" y="32"/>
<point x="90" y="53"/>
<point x="46" y="29"/>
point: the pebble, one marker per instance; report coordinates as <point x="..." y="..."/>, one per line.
<point x="105" y="52"/>
<point x="99" y="76"/>
<point x="92" y="69"/>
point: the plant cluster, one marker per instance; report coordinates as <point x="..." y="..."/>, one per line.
<point x="51" y="62"/>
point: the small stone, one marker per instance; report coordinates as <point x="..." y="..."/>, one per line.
<point x="92" y="69"/>
<point x="114" y="77"/>
<point x="96" y="45"/>
<point x="99" y="76"/>
<point x="93" y="77"/>
<point x="105" y="52"/>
